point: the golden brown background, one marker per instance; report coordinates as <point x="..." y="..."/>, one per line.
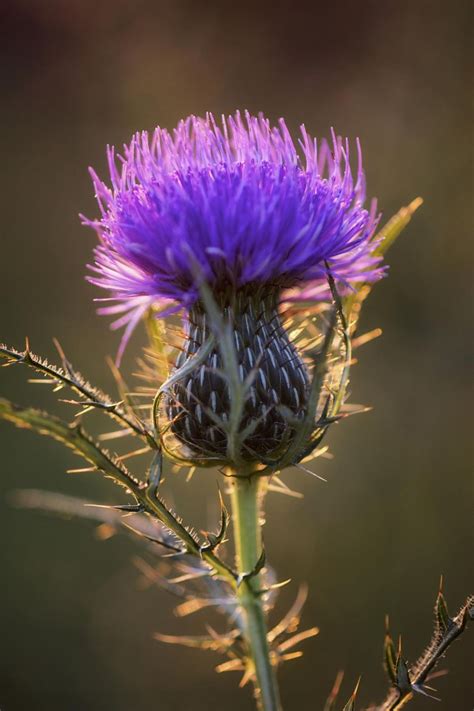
<point x="76" y="629"/>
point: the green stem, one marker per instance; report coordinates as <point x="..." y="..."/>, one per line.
<point x="247" y="495"/>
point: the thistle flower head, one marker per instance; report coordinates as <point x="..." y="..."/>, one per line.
<point x="237" y="205"/>
<point x="235" y="198"/>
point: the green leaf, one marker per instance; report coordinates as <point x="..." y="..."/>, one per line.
<point x="393" y="228"/>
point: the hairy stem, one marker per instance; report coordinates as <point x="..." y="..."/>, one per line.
<point x="247" y="495"/>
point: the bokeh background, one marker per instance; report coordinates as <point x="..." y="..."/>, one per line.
<point x="76" y="623"/>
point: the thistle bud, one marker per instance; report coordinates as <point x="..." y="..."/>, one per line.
<point x="271" y="372"/>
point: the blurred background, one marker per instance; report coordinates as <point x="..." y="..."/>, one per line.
<point x="76" y="621"/>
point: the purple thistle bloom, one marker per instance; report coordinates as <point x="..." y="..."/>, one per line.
<point x="236" y="199"/>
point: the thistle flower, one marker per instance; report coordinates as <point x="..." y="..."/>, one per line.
<point x="225" y="224"/>
<point x="236" y="206"/>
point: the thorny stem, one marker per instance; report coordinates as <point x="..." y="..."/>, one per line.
<point x="91" y="397"/>
<point x="146" y="494"/>
<point x="246" y="496"/>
